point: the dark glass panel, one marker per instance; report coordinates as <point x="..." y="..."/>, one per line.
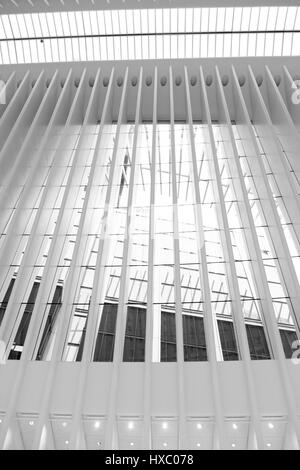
<point x="105" y="342"/>
<point x="168" y="337"/>
<point x="194" y="339"/>
<point x="257" y="342"/>
<point x="134" y="346"/>
<point x="287" y="338"/>
<point x="53" y="312"/>
<point x="228" y="341"/>
<point x="19" y="341"/>
<point x="4" y="304"/>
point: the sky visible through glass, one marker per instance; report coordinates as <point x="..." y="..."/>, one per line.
<point x="149" y="34"/>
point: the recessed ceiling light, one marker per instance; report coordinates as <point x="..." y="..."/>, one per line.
<point x="165" y="444"/>
<point x="198" y="444"/>
<point x="31" y="423"/>
<point x="67" y="442"/>
<point x="0" y="421"/>
<point x="130" y="425"/>
<point x="64" y="424"/>
<point x="199" y="426"/>
<point x="98" y="444"/>
<point x="268" y="445"/>
<point x="97" y="424"/>
<point x="131" y="443"/>
<point x="165" y="425"/>
<point x="271" y="425"/>
<point x="235" y="426"/>
<point x="233" y="445"/>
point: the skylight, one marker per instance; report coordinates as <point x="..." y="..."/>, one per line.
<point x="149" y="34"/>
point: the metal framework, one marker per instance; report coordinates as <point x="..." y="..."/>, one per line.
<point x="149" y="33"/>
<point x="32" y="6"/>
<point x="149" y="224"/>
<point x="155" y="190"/>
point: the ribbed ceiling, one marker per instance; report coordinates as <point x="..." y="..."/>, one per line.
<point x="153" y="33"/>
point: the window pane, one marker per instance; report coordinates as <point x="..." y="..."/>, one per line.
<point x="228" y="341"/>
<point x="134" y="346"/>
<point x="257" y="342"/>
<point x="104" y="349"/>
<point x="194" y="339"/>
<point x="168" y="337"/>
<point x="3" y="306"/>
<point x="287" y="338"/>
<point x="48" y="330"/>
<point x="19" y="341"/>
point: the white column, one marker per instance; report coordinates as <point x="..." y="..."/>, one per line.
<point x="208" y="315"/>
<point x="152" y="282"/>
<point x="8" y="119"/>
<point x="7" y="93"/>
<point x="177" y="280"/>
<point x="124" y="279"/>
<point x="77" y="428"/>
<point x="269" y="140"/>
<point x="246" y="131"/>
<point x="11" y="410"/>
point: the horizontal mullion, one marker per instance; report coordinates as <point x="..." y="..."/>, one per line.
<point x="162" y="33"/>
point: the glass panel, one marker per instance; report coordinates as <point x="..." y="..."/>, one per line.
<point x="6" y="300"/>
<point x="49" y="329"/>
<point x="104" y="349"/>
<point x="249" y="31"/>
<point x="194" y="339"/>
<point x="228" y="341"/>
<point x="257" y="342"/>
<point x="168" y="337"/>
<point x="19" y="340"/>
<point x="134" y="347"/>
<point x="287" y="338"/>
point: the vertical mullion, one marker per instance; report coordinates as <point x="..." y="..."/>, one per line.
<point x="56" y="33"/>
<point x="37" y="314"/>
<point x="177" y="281"/>
<point x="14" y="39"/>
<point x="33" y="100"/>
<point x="12" y="178"/>
<point x="91" y="320"/>
<point x="282" y="119"/>
<point x="49" y="35"/>
<point x="209" y="327"/>
<point x="101" y="280"/>
<point x="10" y="321"/>
<point x="124" y="279"/>
<point x="52" y="260"/>
<point x="232" y="274"/>
<point x="71" y="40"/>
<point x="272" y="217"/>
<point x="8" y="119"/>
<point x="10" y="243"/>
<point x="243" y="118"/>
<point x="7" y="43"/>
<point x="18" y="379"/>
<point x="151" y="287"/>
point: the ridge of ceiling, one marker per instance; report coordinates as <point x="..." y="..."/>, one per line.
<point x="42" y="6"/>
